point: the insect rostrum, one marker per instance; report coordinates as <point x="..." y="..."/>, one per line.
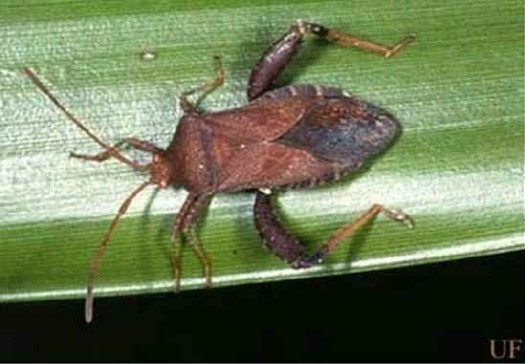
<point x="294" y="136"/>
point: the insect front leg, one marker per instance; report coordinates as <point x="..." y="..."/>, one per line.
<point x="125" y="143"/>
<point x="185" y="223"/>
<point x="286" y="247"/>
<point x="280" y="53"/>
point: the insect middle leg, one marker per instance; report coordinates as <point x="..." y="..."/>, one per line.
<point x="280" y="53"/>
<point x="185" y="223"/>
<point x="186" y="105"/>
<point x="286" y="247"/>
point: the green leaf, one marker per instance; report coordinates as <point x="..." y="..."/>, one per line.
<point x="457" y="168"/>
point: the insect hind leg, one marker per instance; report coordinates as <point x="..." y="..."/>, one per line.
<point x="286" y="247"/>
<point x="349" y="229"/>
<point x="280" y="53"/>
<point x="348" y="40"/>
<point x="275" y="237"/>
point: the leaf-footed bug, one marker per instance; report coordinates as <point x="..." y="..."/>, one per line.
<point x="294" y="136"/>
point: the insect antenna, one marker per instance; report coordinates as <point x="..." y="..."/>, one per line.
<point x="114" y="152"/>
<point x="94" y="265"/>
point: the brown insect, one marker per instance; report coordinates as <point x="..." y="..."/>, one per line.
<point x="294" y="136"/>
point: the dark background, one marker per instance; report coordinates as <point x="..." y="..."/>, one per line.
<point x="437" y="312"/>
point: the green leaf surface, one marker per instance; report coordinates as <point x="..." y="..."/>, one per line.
<point x="457" y="168"/>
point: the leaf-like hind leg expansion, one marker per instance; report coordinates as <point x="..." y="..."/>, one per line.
<point x="280" y="53"/>
<point x="185" y="223"/>
<point x="286" y="247"/>
<point x="186" y="105"/>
